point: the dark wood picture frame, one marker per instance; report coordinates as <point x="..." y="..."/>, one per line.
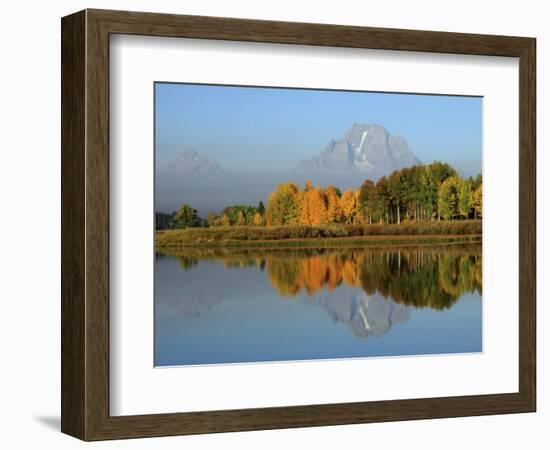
<point x="85" y="224"/>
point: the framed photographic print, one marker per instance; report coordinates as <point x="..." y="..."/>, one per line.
<point x="267" y="224"/>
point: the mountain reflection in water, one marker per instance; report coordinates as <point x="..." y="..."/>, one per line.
<point x="367" y="291"/>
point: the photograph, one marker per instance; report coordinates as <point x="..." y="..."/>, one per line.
<point x="298" y="224"/>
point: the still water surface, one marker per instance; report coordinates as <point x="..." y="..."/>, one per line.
<point x="233" y="305"/>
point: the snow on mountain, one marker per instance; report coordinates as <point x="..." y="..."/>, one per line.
<point x="365" y="148"/>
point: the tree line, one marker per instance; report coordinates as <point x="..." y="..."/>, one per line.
<point x="413" y="194"/>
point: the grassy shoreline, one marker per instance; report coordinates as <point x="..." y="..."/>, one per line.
<point x="334" y="245"/>
<point x="323" y="236"/>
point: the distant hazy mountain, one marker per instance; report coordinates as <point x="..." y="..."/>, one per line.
<point x="365" y="148"/>
<point x="191" y="162"/>
<point x="365" y="151"/>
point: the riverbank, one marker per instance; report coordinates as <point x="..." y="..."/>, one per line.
<point x="292" y="236"/>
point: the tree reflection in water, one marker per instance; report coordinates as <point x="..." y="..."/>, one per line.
<point x="367" y="290"/>
<point x="433" y="277"/>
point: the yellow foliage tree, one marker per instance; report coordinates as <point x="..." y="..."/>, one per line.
<point x="241" y="218"/>
<point x="225" y="221"/>
<point x="284" y="205"/>
<point x="350" y="205"/>
<point x="334" y="208"/>
<point x="477" y="201"/>
<point x="258" y="219"/>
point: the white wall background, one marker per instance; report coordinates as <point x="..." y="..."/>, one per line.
<point x="30" y="226"/>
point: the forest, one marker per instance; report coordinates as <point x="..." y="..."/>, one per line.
<point x="422" y="193"/>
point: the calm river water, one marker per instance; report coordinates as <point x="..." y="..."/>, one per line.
<point x="217" y="306"/>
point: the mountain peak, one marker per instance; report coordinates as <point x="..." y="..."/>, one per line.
<point x="364" y="148"/>
<point x="191" y="161"/>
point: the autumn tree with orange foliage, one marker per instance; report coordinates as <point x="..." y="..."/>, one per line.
<point x="314" y="206"/>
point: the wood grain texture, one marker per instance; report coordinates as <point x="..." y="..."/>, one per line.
<point x="73" y="109"/>
<point x="85" y="224"/>
<point x="97" y="225"/>
<point x="527" y="224"/>
<point x="201" y="27"/>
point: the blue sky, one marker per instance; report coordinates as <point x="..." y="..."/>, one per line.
<point x="270" y="129"/>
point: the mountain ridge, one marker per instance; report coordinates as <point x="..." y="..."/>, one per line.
<point x="192" y="162"/>
<point x="364" y="148"/>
